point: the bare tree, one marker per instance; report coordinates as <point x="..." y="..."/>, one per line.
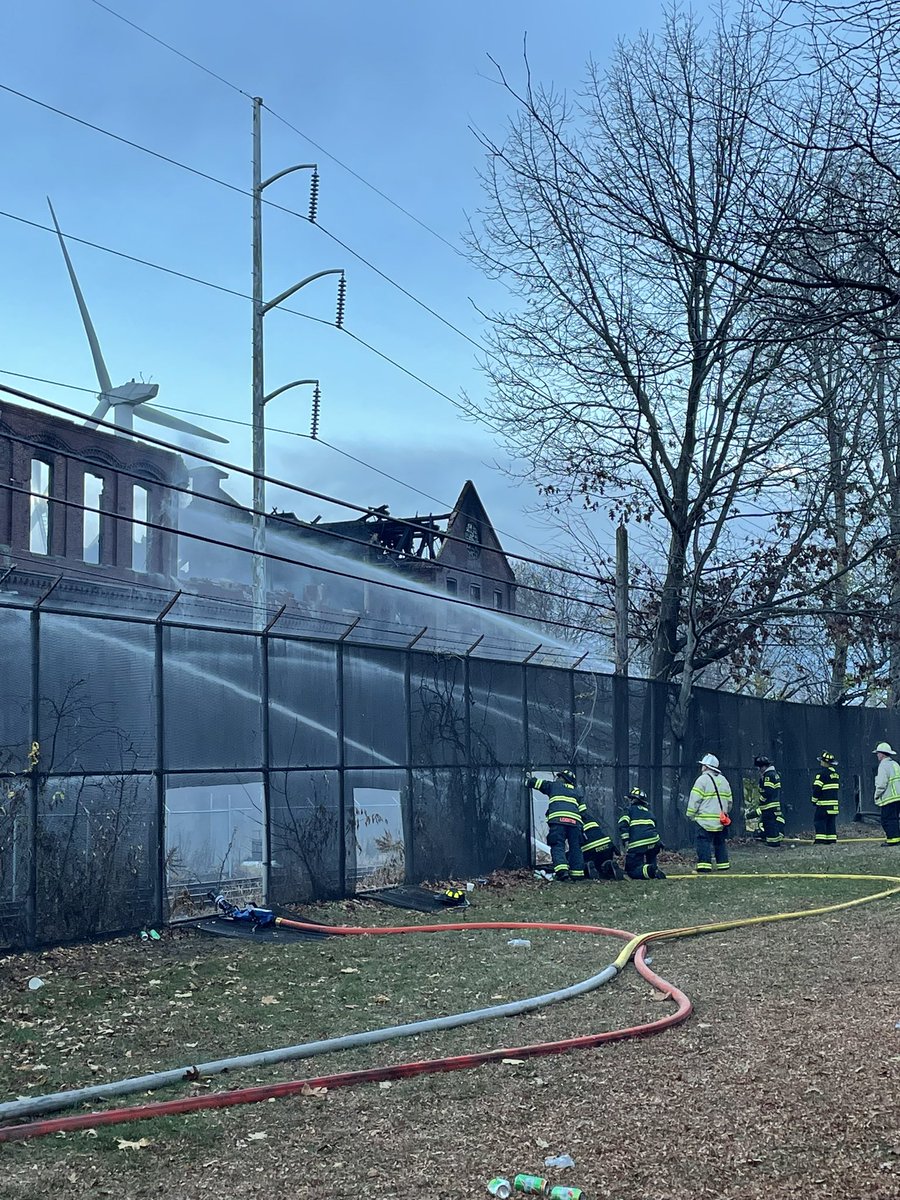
<point x="642" y="373"/>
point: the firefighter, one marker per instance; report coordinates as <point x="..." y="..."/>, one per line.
<point x="565" y="821"/>
<point x="709" y="805"/>
<point x="598" y="850"/>
<point x="770" y="813"/>
<point x="826" y="800"/>
<point x="887" y="792"/>
<point x="639" y="835"/>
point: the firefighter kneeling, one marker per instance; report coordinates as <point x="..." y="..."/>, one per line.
<point x="639" y="835"/>
<point x="598" y="850"/>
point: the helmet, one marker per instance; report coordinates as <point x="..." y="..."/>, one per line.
<point x="828" y="759"/>
<point x="567" y="777"/>
<point x="762" y="761"/>
<point x="636" y="794"/>
<point x="710" y="760"/>
<point x="884" y="748"/>
<point x="455" y="897"/>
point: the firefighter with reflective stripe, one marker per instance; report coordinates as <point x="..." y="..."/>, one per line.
<point x="708" y="806"/>
<point x="887" y="793"/>
<point x="770" y="814"/>
<point x="598" y="850"/>
<point x="639" y="835"/>
<point x="826" y="800"/>
<point x="565" y="822"/>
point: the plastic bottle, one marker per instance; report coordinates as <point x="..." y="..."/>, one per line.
<point x="522" y="942"/>
<point x="560" y="1160"/>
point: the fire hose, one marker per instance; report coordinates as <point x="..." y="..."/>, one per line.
<point x="635" y="948"/>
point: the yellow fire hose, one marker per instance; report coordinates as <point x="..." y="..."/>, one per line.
<point x="742" y="922"/>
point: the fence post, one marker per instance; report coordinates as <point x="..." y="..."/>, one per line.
<point x="529" y="815"/>
<point x="342" y="790"/>
<point x="407" y="811"/>
<point x="33" y="782"/>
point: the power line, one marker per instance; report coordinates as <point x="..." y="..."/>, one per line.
<point x="293" y="487"/>
<point x="305" y="136"/>
<point x="275" y="519"/>
<point x="193" y="412"/>
<point x="174" y="162"/>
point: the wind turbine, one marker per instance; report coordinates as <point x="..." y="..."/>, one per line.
<point x="129" y="399"/>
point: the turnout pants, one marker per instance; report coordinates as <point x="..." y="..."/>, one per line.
<point x="825" y="825"/>
<point x="603" y="864"/>
<point x="772" y="826"/>
<point x="564" y="840"/>
<point x="890" y="822"/>
<point x="712" y="842"/>
<point x="641" y="864"/>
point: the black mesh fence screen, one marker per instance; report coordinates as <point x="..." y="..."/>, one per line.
<point x="144" y="763"/>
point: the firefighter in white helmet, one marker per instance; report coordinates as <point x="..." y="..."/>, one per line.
<point x="887" y="792"/>
<point x="709" y="805"/>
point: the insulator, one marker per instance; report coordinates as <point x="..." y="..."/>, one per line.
<point x="314" y="196"/>
<point x="314" y="426"/>
<point x="341" y="302"/>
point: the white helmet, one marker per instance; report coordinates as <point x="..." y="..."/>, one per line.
<point x="884" y="748"/>
<point x="710" y="760"/>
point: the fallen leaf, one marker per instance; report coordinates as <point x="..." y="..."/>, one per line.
<point x="381" y="999"/>
<point x="268" y="1000"/>
<point x="256" y="1137"/>
<point x="656" y="994"/>
<point x="384" y="1085"/>
<point x="513" y="1062"/>
<point x="349" y="970"/>
<point x="124" y="1144"/>
<point x="541" y="1144"/>
<point x="306" y="1090"/>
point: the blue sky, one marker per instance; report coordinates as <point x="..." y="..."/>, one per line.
<point x="392" y="90"/>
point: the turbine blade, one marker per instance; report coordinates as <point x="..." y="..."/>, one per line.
<point x="100" y="411"/>
<point x="161" y="418"/>
<point x="99" y="364"/>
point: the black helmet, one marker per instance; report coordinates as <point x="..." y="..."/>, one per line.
<point x="636" y="794"/>
<point x="828" y="759"/>
<point x="762" y="761"/>
<point x="567" y="777"/>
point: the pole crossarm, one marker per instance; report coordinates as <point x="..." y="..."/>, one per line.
<point x="286" y="387"/>
<point x="287" y="171"/>
<point x="297" y="286"/>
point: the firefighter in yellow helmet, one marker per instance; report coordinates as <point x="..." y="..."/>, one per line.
<point x="826" y="795"/>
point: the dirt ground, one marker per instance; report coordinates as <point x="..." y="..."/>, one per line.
<point x="784" y="1083"/>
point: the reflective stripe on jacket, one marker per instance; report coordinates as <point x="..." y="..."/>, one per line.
<point x="708" y="792"/>
<point x="887" y="782"/>
<point x="637" y="828"/>
<point x="769" y="790"/>
<point x="566" y="803"/>
<point x="595" y="838"/>
<point x="826" y="789"/>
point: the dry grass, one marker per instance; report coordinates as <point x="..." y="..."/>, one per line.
<point x="783" y="1084"/>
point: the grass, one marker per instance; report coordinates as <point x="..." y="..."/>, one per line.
<point x="127" y="1007"/>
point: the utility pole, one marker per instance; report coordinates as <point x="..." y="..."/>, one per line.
<point x="260" y="308"/>
<point x="621" y="639"/>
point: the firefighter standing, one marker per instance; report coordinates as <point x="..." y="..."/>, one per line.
<point x="709" y="805"/>
<point x="887" y="793"/>
<point x="826" y="800"/>
<point x="598" y="850"/>
<point x="770" y="813"/>
<point x="565" y="821"/>
<point x="639" y="835"/>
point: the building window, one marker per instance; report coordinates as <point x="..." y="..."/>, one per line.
<point x="498" y="599"/>
<point x="41" y="485"/>
<point x="475" y="591"/>
<point x="140" y="506"/>
<point x="92" y="532"/>
<point x="451" y="586"/>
